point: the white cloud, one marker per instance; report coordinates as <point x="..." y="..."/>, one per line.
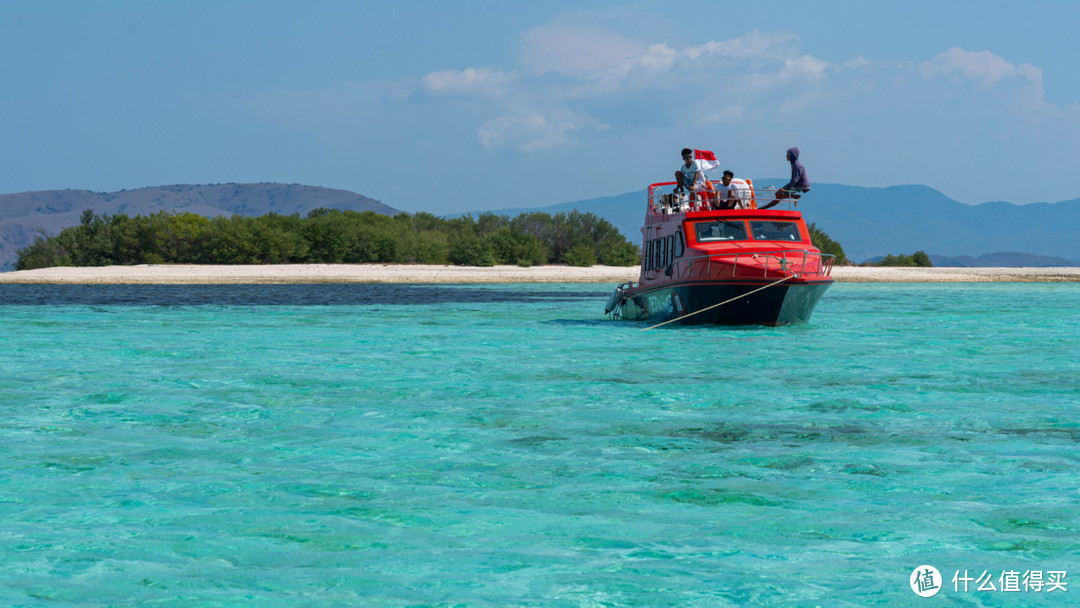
<point x="637" y="72"/>
<point x="576" y="50"/>
<point x="753" y="45"/>
<point x="576" y="79"/>
<point x="805" y="67"/>
<point x="983" y="66"/>
<point x="716" y="81"/>
<point x="533" y="131"/>
<point x="1024" y="82"/>
<point x="483" y="81"/>
<point x="752" y="63"/>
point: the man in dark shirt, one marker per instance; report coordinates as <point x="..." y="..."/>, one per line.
<point x="799" y="182"/>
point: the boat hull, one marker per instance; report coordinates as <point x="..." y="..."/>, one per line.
<point x="782" y="304"/>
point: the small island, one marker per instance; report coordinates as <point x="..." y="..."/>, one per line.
<point x="335" y="246"/>
<point x="332" y="236"/>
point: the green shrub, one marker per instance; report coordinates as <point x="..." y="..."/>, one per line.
<point x="917" y="259"/>
<point x="426" y="247"/>
<point x="580" y="255"/>
<point x="331" y="236"/>
<point x="825" y="244"/>
<point x="471" y="250"/>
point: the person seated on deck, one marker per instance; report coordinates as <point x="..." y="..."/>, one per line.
<point x="799" y="184"/>
<point x="690" y="177"/>
<point x="734" y="193"/>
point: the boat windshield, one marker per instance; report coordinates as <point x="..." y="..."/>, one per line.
<point x="720" y="230"/>
<point x="775" y="231"/>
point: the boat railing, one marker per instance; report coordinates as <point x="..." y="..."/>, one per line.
<point x="750" y="265"/>
<point x="663" y="200"/>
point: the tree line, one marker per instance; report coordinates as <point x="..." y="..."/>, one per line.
<point x="331" y="236"/>
<point x="919" y="258"/>
<point x="826" y="244"/>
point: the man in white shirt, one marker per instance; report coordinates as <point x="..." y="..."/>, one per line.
<point x="689" y="176"/>
<point x="733" y="193"/>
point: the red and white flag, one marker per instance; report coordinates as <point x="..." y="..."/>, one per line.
<point x="706" y="160"/>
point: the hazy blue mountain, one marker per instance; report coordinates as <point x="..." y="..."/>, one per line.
<point x="1004" y="259"/>
<point x="23" y="215"/>
<point x="870" y="222"/>
<point x="624" y="211"/>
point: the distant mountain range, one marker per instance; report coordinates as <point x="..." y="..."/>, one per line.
<point x="23" y="215"/>
<point x="868" y="222"/>
<point x="1001" y="259"/>
<point x="874" y="222"/>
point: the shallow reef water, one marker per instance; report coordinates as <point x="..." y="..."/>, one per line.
<point x="507" y="445"/>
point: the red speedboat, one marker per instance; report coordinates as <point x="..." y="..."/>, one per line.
<point x="744" y="266"/>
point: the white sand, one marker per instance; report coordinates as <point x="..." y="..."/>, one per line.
<point x="322" y="273"/>
<point x="389" y="273"/>
<point x="860" y="274"/>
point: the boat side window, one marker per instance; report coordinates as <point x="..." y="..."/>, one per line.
<point x="775" y="231"/>
<point x="720" y="230"/>
<point x="662" y="251"/>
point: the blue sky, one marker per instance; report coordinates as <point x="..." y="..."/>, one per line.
<point x="458" y="106"/>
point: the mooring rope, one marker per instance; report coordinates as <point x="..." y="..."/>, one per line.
<point x="790" y="276"/>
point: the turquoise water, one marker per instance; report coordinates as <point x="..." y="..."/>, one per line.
<point x="509" y="446"/>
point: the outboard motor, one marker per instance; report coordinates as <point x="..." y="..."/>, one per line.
<point x="613" y="300"/>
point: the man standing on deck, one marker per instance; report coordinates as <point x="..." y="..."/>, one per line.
<point x="799" y="182"/>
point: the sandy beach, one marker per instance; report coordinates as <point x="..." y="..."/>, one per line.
<point x="390" y="273"/>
